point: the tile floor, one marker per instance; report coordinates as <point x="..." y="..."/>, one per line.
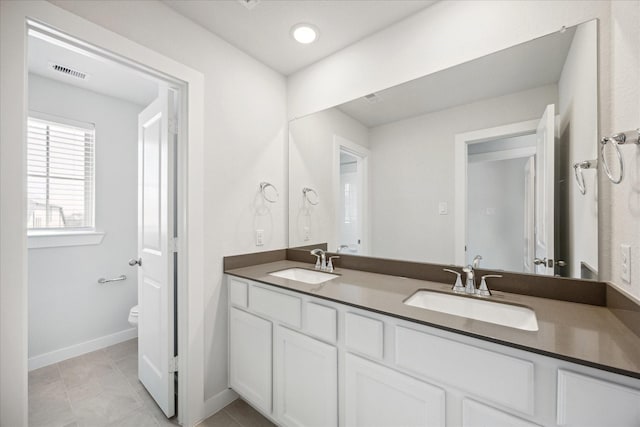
<point x="102" y="389"/>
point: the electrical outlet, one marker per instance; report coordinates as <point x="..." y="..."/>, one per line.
<point x="443" y="208"/>
<point x="625" y="265"/>
<point x="259" y="237"/>
<point x="306" y="234"/>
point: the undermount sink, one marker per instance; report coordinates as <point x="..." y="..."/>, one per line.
<point x="303" y="275"/>
<point x="513" y="316"/>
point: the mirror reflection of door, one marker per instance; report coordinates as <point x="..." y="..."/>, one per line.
<point x="500" y="202"/>
<point x="351" y="203"/>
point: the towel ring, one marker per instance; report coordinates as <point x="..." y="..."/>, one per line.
<point x="578" y="168"/>
<point x="630" y="136"/>
<point x="312" y="200"/>
<point x="263" y="190"/>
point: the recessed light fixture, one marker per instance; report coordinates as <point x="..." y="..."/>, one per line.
<point x="304" y="33"/>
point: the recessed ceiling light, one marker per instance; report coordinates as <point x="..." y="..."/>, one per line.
<point x="304" y="33"/>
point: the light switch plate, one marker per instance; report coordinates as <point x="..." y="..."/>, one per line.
<point x="259" y="237"/>
<point x="625" y="265"/>
<point x="443" y="208"/>
<point x="306" y="234"/>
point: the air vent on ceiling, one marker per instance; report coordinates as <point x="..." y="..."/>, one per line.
<point x="249" y="4"/>
<point x="68" y="71"/>
<point x="372" y="97"/>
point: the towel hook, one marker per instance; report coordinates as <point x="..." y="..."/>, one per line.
<point x="578" y="168"/>
<point x="631" y="136"/>
<point x="313" y="199"/>
<point x="263" y="190"/>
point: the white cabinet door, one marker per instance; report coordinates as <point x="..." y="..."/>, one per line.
<point x="475" y="414"/>
<point x="584" y="401"/>
<point x="378" y="396"/>
<point x="250" y="350"/>
<point x="306" y="380"/>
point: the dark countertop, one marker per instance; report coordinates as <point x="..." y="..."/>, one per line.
<point x="581" y="333"/>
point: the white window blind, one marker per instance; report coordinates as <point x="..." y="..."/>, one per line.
<point x="60" y="169"/>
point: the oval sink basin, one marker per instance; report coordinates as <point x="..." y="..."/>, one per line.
<point x="303" y="275"/>
<point x="513" y="316"/>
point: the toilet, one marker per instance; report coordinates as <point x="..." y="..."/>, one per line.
<point x="133" y="316"/>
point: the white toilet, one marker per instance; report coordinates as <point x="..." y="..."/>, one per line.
<point x="133" y="316"/>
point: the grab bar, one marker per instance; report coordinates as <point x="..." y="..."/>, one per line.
<point x="102" y="280"/>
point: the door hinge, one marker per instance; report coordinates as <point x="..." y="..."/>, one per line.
<point x="173" y="244"/>
<point x="173" y="364"/>
<point x="173" y="126"/>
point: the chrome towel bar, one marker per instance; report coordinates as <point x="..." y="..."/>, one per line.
<point x="102" y="280"/>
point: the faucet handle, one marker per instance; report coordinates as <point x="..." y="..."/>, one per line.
<point x="457" y="287"/>
<point x="318" y="253"/>
<point x="330" y="263"/>
<point x="484" y="291"/>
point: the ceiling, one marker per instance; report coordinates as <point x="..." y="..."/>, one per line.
<point x="263" y="30"/>
<point x="522" y="67"/>
<point x="105" y="77"/>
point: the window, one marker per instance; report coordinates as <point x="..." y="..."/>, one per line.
<point x="60" y="174"/>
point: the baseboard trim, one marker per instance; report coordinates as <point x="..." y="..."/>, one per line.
<point x="56" y="356"/>
<point x="216" y="403"/>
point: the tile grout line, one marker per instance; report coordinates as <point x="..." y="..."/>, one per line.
<point x="232" y="417"/>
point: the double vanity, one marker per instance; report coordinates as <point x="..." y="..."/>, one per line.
<point x="352" y="347"/>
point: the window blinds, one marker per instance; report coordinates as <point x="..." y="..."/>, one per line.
<point x="60" y="174"/>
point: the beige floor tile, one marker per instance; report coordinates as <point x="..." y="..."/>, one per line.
<point x="79" y="371"/>
<point x="137" y="418"/>
<point x="105" y="408"/>
<point x="43" y="376"/>
<point x="221" y="419"/>
<point x="129" y="367"/>
<point x="246" y="415"/>
<point x="122" y="350"/>
<point x="113" y="381"/>
<point x="48" y="398"/>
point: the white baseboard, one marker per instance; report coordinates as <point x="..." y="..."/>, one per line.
<point x="56" y="356"/>
<point x="216" y="403"/>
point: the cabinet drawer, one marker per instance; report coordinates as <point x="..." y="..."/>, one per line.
<point x="322" y="322"/>
<point x="364" y="335"/>
<point x="502" y="379"/>
<point x="238" y="292"/>
<point x="475" y="414"/>
<point x="586" y="401"/>
<point x="285" y="308"/>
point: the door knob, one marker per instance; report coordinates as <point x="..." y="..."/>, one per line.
<point x="538" y="261"/>
<point x="134" y="261"/>
<point x="561" y="263"/>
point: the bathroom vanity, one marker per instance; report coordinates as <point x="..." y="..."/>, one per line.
<point x="349" y="351"/>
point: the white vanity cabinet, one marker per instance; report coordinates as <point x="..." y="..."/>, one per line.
<point x="378" y="396"/>
<point x="306" y="361"/>
<point x="250" y="352"/>
<point x="306" y="380"/>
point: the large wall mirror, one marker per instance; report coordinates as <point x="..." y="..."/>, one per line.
<point x="491" y="158"/>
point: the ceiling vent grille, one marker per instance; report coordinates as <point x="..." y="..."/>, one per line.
<point x="372" y="98"/>
<point x="249" y="4"/>
<point x="68" y="71"/>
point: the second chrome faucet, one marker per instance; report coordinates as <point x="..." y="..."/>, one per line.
<point x="322" y="263"/>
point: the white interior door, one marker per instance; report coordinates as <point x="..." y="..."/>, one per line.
<point x="155" y="232"/>
<point x="529" y="215"/>
<point x="544" y="218"/>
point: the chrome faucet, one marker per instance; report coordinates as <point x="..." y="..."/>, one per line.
<point x="321" y="260"/>
<point x="470" y="287"/>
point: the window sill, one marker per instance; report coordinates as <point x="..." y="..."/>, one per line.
<point x="55" y="239"/>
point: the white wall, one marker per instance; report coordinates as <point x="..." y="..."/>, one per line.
<point x="66" y="304"/>
<point x="620" y="212"/>
<point x="412" y="170"/>
<point x="311" y="165"/>
<point x="495" y="213"/>
<point x="577" y="107"/>
<point x="245" y="139"/>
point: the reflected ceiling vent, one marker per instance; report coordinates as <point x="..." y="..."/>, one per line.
<point x="68" y="71"/>
<point x="249" y="4"/>
<point x="372" y="98"/>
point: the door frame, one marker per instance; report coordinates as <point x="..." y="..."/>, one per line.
<point x="16" y="20"/>
<point x="461" y="149"/>
<point x="341" y="143"/>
